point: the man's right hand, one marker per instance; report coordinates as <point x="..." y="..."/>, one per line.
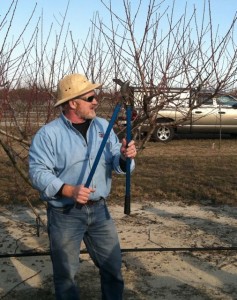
<point x="79" y="193"/>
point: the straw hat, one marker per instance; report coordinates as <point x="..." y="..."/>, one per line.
<point x="72" y="86"/>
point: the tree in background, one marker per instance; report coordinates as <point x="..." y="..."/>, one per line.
<point x="185" y="52"/>
<point x="145" y="44"/>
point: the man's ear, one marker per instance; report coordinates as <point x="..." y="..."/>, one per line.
<point x="72" y="104"/>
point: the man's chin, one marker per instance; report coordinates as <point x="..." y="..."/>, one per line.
<point x="91" y="116"/>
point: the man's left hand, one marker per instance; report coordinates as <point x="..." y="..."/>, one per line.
<point x="128" y="150"/>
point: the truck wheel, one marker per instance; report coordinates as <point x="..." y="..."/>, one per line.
<point x="163" y="133"/>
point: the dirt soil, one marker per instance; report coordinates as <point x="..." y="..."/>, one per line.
<point x="149" y="275"/>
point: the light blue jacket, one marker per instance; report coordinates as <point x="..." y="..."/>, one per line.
<point x="59" y="154"/>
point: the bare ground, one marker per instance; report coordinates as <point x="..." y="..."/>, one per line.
<point x="148" y="275"/>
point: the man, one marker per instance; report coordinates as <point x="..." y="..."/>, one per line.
<point x="60" y="159"/>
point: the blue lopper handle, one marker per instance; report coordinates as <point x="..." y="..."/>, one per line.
<point x="127" y="202"/>
<point x="111" y="123"/>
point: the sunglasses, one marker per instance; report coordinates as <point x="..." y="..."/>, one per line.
<point x="88" y="99"/>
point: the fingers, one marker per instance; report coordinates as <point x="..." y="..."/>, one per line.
<point x="131" y="150"/>
<point x="81" y="194"/>
<point x="128" y="150"/>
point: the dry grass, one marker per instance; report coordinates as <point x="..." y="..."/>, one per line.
<point x="13" y="189"/>
<point x="187" y="170"/>
<point x="190" y="171"/>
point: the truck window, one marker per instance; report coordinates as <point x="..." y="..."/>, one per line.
<point x="226" y="100"/>
<point x="205" y="101"/>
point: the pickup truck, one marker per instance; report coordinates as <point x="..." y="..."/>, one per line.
<point x="209" y="115"/>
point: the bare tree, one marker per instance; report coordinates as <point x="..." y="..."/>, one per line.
<point x="156" y="53"/>
<point x="29" y="71"/>
<point x="187" y="54"/>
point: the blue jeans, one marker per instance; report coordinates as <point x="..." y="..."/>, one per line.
<point x="67" y="227"/>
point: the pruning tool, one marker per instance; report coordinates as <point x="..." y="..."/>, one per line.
<point x="124" y="99"/>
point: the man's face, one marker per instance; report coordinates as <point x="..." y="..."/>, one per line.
<point x="86" y="105"/>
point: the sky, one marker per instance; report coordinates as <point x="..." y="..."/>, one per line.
<point x="80" y="13"/>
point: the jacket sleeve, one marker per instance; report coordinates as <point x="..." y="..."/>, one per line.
<point x="115" y="149"/>
<point x="42" y="166"/>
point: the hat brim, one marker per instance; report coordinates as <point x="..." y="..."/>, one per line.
<point x="92" y="87"/>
